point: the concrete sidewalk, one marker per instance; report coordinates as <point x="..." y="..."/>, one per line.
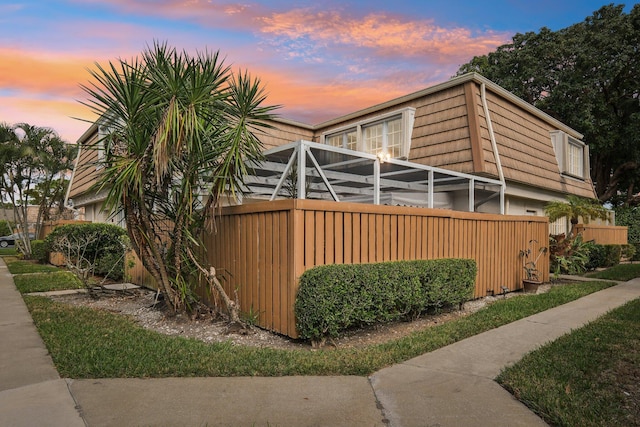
<point x="31" y="391"/>
<point x="452" y="386"/>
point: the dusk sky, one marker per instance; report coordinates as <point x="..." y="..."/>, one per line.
<point x="318" y="59"/>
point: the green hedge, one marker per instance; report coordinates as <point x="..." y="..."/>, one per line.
<point x="630" y="216"/>
<point x="602" y="256"/>
<point x="101" y="244"/>
<point x="5" y="227"/>
<point x="334" y="298"/>
<point x="39" y="251"/>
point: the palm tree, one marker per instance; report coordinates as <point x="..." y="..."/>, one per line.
<point x="30" y="156"/>
<point x="575" y="208"/>
<point x="180" y="131"/>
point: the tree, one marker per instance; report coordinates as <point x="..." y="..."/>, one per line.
<point x="574" y="209"/>
<point x="49" y="196"/>
<point x="587" y="76"/>
<point x="179" y="131"/>
<point x="30" y="157"/>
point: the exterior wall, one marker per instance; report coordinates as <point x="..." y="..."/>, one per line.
<point x="526" y="152"/>
<point x="85" y="173"/>
<point x="441" y="131"/>
<point x="285" y="132"/>
<point x="262" y="249"/>
<point x="522" y="206"/>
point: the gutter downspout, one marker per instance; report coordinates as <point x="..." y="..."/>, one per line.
<point x="494" y="144"/>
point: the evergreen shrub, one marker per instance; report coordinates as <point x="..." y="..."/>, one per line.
<point x="102" y="245"/>
<point x="334" y="298"/>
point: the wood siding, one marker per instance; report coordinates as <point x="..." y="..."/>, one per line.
<point x="441" y="131"/>
<point x="284" y="133"/>
<point x="85" y="174"/>
<point x="260" y="250"/>
<point x="603" y="234"/>
<point x="526" y="152"/>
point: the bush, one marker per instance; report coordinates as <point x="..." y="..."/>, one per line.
<point x="630" y="216"/>
<point x="568" y="256"/>
<point x="5" y="227"/>
<point x="603" y="256"/>
<point x="334" y="298"/>
<point x="628" y="252"/>
<point x="39" y="251"/>
<point x="103" y="246"/>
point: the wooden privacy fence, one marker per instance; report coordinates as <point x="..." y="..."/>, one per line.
<point x="603" y="234"/>
<point x="260" y="250"/>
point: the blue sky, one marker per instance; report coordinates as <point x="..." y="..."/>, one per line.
<point x="317" y="59"/>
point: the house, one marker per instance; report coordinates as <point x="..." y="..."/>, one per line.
<point x="483" y="162"/>
<point x="467" y="125"/>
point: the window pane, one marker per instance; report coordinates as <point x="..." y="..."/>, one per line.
<point x="575" y="160"/>
<point x="352" y="140"/>
<point x="334" y="140"/>
<point x="373" y="139"/>
<point x="394" y="137"/>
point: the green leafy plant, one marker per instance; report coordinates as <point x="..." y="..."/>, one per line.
<point x="250" y="317"/>
<point x="603" y="256"/>
<point x="576" y="208"/>
<point x="568" y="256"/>
<point x="334" y="298"/>
<point x="530" y="264"/>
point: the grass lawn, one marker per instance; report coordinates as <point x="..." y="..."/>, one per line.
<point x="85" y="343"/>
<point x="621" y="272"/>
<point x="30" y="276"/>
<point x="590" y="377"/>
<point x="20" y="266"/>
<point x="43" y="282"/>
<point x="7" y="251"/>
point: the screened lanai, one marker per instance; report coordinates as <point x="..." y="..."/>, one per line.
<point x="342" y="175"/>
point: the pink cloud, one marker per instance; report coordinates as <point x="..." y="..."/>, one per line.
<point x="383" y="33"/>
<point x="347" y="54"/>
<point x="303" y="29"/>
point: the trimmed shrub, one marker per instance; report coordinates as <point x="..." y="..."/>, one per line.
<point x="102" y="245"/>
<point x="39" y="251"/>
<point x="334" y="298"/>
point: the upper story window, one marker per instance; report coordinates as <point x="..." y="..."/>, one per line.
<point x="572" y="155"/>
<point x="348" y="139"/>
<point x="103" y="131"/>
<point x="388" y="135"/>
<point x="575" y="159"/>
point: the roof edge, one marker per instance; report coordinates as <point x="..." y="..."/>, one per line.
<point x="455" y="81"/>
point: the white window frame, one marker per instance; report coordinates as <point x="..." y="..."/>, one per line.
<point x="575" y="159"/>
<point x="406" y="116"/>
<point x="563" y="145"/>
<point x="102" y="134"/>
